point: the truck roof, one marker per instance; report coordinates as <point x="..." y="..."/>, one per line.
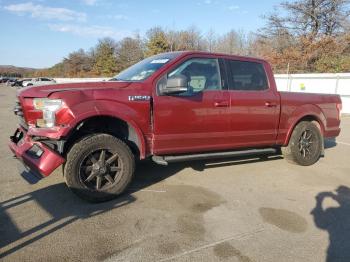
<point x="236" y="57"/>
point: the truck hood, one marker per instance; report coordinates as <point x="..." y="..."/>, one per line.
<point x="47" y="90"/>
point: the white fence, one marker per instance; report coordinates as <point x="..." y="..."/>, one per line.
<point x="318" y="83"/>
<point x="304" y="83"/>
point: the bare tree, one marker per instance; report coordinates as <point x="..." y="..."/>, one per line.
<point x="335" y="18"/>
<point x="129" y="51"/>
<point x="190" y="39"/>
<point x="171" y="37"/>
<point x="308" y="17"/>
<point x="78" y="63"/>
<point x="211" y="40"/>
<point x="229" y="43"/>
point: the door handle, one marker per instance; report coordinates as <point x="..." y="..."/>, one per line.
<point x="222" y="104"/>
<point x="270" y="104"/>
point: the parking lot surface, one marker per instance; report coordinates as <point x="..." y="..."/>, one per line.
<point x="247" y="209"/>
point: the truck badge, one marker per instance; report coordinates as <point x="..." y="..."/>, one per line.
<point x="139" y="98"/>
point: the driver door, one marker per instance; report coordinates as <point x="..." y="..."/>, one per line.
<point x="196" y="120"/>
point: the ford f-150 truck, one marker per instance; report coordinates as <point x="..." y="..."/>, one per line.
<point x="170" y="107"/>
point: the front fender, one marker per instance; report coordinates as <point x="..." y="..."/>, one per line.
<point x="137" y="118"/>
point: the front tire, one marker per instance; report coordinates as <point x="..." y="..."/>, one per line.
<point x="305" y="145"/>
<point x="99" y="167"/>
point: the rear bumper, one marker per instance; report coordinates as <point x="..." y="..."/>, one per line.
<point x="334" y="132"/>
<point x="34" y="155"/>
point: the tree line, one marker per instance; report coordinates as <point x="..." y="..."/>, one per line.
<point x="310" y="36"/>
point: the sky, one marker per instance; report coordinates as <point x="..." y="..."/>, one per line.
<point x="40" y="33"/>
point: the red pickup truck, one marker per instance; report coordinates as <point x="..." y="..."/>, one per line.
<point x="170" y="107"/>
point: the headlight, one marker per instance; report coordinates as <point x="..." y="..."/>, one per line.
<point x="49" y="107"/>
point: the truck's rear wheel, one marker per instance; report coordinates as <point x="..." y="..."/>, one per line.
<point x="99" y="167"/>
<point x="305" y="145"/>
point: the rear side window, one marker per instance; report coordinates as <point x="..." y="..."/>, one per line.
<point x="246" y="76"/>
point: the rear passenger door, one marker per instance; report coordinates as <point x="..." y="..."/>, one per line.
<point x="254" y="111"/>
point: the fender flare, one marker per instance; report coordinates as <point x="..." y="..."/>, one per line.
<point x="98" y="108"/>
<point x="304" y="112"/>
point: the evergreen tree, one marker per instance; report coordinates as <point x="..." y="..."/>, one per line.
<point x="157" y="42"/>
<point x="105" y="63"/>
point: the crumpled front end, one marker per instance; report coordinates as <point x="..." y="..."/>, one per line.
<point x="35" y="155"/>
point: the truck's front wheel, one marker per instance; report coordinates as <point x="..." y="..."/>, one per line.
<point x="99" y="167"/>
<point x="305" y="145"/>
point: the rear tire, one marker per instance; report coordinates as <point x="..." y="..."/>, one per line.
<point x="305" y="145"/>
<point x="99" y="167"/>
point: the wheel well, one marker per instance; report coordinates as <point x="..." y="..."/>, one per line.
<point x="316" y="121"/>
<point x="309" y="118"/>
<point x="108" y="125"/>
<point x="313" y="119"/>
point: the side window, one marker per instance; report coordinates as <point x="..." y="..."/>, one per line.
<point x="247" y="76"/>
<point x="202" y="74"/>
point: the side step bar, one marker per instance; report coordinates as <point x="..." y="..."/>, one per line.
<point x="165" y="160"/>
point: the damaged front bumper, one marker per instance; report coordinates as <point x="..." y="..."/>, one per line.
<point x="33" y="154"/>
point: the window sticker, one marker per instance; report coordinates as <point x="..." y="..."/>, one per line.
<point x="198" y="83"/>
<point x="160" y="61"/>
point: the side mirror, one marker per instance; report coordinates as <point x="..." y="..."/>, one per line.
<point x="175" y="85"/>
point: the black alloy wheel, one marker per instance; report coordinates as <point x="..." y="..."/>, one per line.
<point x="305" y="144"/>
<point x="99" y="167"/>
<point x="101" y="170"/>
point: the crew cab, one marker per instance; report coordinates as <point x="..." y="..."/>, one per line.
<point x="170" y="107"/>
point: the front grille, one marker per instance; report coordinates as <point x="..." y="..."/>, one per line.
<point x="19" y="112"/>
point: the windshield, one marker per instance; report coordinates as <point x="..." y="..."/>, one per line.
<point x="144" y="69"/>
